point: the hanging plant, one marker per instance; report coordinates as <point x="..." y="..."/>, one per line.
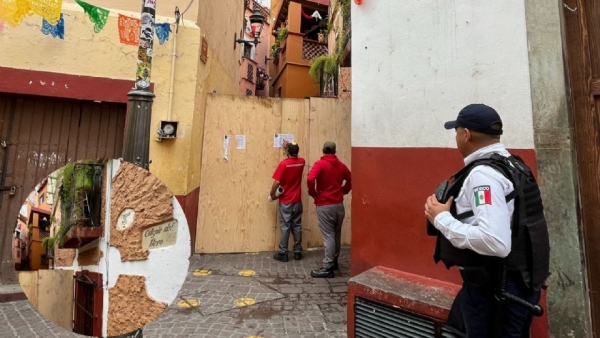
<point x="48" y="243"/>
<point x="324" y="64"/>
<point x="281" y="34"/>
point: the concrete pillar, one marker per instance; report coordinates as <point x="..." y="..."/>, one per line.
<point x="568" y="309"/>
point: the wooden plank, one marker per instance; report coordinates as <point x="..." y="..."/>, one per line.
<point x="234" y="213"/>
<point x="329" y="121"/>
<point x="92" y="149"/>
<point x="106" y="114"/>
<point x="294" y="121"/>
<point x="29" y="284"/>
<point x="582" y="33"/>
<point x="55" y="296"/>
<point x="119" y="131"/>
<point x="595" y="87"/>
<point x="85" y="129"/>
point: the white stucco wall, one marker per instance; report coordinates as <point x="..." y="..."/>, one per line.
<point x="165" y="269"/>
<point x="417" y="63"/>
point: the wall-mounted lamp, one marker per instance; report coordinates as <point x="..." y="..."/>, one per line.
<point x="266" y="59"/>
<point x="256" y="21"/>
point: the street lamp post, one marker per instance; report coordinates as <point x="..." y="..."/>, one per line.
<point x="136" y="147"/>
<point x="257" y="21"/>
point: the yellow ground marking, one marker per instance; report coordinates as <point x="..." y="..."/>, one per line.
<point x="240" y="302"/>
<point x="247" y="273"/>
<point x="202" y="272"/>
<point x="188" y="303"/>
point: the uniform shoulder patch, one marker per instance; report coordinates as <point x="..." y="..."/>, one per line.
<point x="483" y="195"/>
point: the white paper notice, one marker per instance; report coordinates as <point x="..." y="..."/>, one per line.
<point x="276" y="141"/>
<point x="279" y="138"/>
<point x="241" y="141"/>
<point x="226" y="147"/>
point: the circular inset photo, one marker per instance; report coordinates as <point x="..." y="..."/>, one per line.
<point x="101" y="247"/>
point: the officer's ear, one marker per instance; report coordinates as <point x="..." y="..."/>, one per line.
<point x="468" y="135"/>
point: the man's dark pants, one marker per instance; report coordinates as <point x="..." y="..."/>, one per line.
<point x="330" y="219"/>
<point x="474" y="308"/>
<point x="290" y="220"/>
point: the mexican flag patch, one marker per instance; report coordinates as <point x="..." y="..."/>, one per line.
<point x="483" y="195"/>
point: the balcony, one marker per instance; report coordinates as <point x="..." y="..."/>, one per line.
<point x="297" y="50"/>
<point x="80" y="203"/>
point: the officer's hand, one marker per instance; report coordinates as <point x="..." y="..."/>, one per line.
<point x="433" y="207"/>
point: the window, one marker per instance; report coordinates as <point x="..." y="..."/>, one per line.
<point x="249" y="51"/>
<point x="41" y="199"/>
<point x="17" y="234"/>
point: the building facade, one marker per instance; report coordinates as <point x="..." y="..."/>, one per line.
<point x="415" y="65"/>
<point x="300" y="30"/>
<point x="254" y="70"/>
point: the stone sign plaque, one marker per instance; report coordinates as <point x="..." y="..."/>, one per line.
<point x="125" y="219"/>
<point x="160" y="236"/>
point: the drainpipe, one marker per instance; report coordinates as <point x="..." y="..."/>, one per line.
<point x="177" y="17"/>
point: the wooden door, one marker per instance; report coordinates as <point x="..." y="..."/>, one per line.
<point x="582" y="40"/>
<point x="39" y="135"/>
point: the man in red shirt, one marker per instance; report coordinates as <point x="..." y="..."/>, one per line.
<point x="328" y="181"/>
<point x="288" y="175"/>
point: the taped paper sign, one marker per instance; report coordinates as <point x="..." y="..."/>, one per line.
<point x="47" y="9"/>
<point x="226" y="147"/>
<point x="279" y="138"/>
<point x="241" y="141"/>
<point x="160" y="236"/>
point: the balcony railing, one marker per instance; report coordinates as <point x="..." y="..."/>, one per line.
<point x="81" y="203"/>
<point x="312" y="49"/>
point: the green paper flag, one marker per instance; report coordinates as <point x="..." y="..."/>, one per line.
<point x="97" y="15"/>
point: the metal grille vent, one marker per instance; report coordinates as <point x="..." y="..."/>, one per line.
<point x="375" y="320"/>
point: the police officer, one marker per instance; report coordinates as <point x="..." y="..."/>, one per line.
<point x="476" y="222"/>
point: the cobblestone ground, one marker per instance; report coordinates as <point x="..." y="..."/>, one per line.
<point x="271" y="299"/>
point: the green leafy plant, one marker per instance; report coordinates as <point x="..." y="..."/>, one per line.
<point x="48" y="242"/>
<point x="76" y="177"/>
<point x="281" y="34"/>
<point x="324" y="64"/>
<point x="345" y="9"/>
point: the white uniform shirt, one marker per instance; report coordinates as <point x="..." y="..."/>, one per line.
<point x="484" y="192"/>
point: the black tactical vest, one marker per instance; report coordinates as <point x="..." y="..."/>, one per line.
<point x="530" y="250"/>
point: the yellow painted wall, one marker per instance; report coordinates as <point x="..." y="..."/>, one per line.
<point x="219" y="21"/>
<point x="84" y="52"/>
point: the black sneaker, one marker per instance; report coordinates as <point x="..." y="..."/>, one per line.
<point x="322" y="273"/>
<point x="281" y="257"/>
<point x="297" y="256"/>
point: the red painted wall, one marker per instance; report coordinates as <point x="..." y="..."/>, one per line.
<point x="189" y="204"/>
<point x="389" y="189"/>
<point x="30" y="82"/>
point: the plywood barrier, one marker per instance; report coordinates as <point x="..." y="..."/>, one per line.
<point x="51" y="293"/>
<point x="234" y="214"/>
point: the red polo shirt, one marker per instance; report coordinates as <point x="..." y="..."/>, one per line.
<point x="289" y="175"/>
